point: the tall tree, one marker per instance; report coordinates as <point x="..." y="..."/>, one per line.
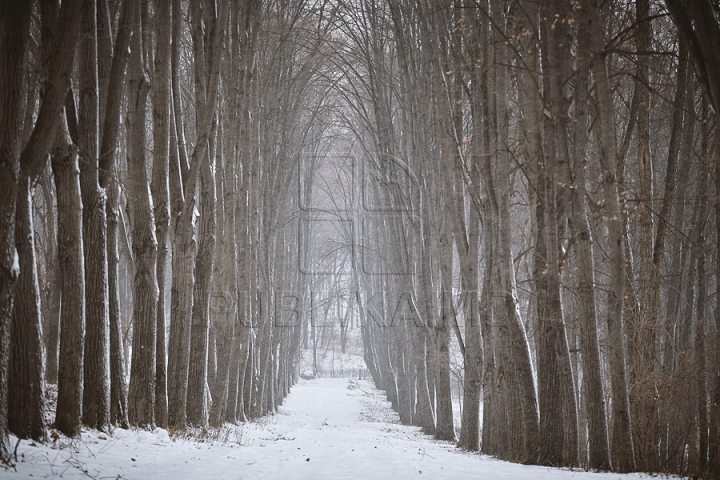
<point x="161" y="193"/>
<point x="622" y="447"/>
<point x="57" y="54"/>
<point x="26" y="379"/>
<point x="96" y="394"/>
<point x="141" y="404"/>
<point x="14" y="41"/>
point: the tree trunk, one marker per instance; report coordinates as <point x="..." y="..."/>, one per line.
<point x="701" y="330"/>
<point x="96" y="393"/>
<point x="621" y="444"/>
<point x="108" y="180"/>
<point x="144" y="245"/>
<point x="197" y="407"/>
<point x="26" y="382"/>
<point x="72" y="318"/>
<point x="593" y="394"/>
<point x="51" y="301"/>
<point x="161" y="195"/>
<point x="642" y="365"/>
<point x="558" y="410"/>
<point x="57" y="59"/>
<point x="225" y="277"/>
<point x="520" y="392"/>
<point x="445" y="428"/>
<point x="207" y="76"/>
<point x="714" y="433"/>
<point x="14" y="43"/>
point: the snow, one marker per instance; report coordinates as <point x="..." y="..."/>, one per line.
<point x="326" y="429"/>
<point x="15" y="267"/>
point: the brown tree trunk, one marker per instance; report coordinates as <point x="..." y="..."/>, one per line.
<point x="520" y="395"/>
<point x="141" y="398"/>
<point x="57" y="59"/>
<point x="96" y="393"/>
<point x="444" y="428"/>
<point x="14" y="41"/>
<point x="113" y="94"/>
<point x="621" y="444"/>
<point x="714" y="433"/>
<point x="51" y="300"/>
<point x="558" y="411"/>
<point x="642" y="365"/>
<point x="197" y="407"/>
<point x="592" y="386"/>
<point x="223" y="302"/>
<point x="26" y="376"/>
<point x="72" y="318"/>
<point x="701" y="390"/>
<point x="161" y="194"/>
<point x="15" y="26"/>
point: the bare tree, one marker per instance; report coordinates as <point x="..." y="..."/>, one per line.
<point x="160" y="188"/>
<point x="96" y="393"/>
<point x="141" y="402"/>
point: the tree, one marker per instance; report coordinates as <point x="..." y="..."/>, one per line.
<point x="141" y="405"/>
<point x="160" y="189"/>
<point x="96" y="392"/>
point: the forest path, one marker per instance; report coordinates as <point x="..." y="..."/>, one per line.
<point x="326" y="429"/>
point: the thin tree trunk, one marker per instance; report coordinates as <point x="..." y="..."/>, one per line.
<point x="520" y="391"/>
<point x="445" y="428"/>
<point x="108" y="181"/>
<point x="66" y="170"/>
<point x="51" y="304"/>
<point x="161" y="195"/>
<point x="141" y="398"/>
<point x="594" y="396"/>
<point x="197" y="407"/>
<point x="558" y="409"/>
<point x="96" y="394"/>
<point x="621" y="444"/>
<point x="207" y="78"/>
<point x="701" y="331"/>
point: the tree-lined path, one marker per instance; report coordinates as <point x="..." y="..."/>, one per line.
<point x="325" y="429"/>
<point x="507" y="212"/>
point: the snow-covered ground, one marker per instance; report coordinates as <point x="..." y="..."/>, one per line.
<point x="327" y="429"/>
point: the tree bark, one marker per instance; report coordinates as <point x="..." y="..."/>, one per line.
<point x="51" y="300"/>
<point x="26" y="382"/>
<point x="14" y="41"/>
<point x="108" y="180"/>
<point x="557" y="398"/>
<point x="621" y="444"/>
<point x="444" y="428"/>
<point x="197" y="407"/>
<point x="96" y="394"/>
<point x="592" y="386"/>
<point x="66" y="170"/>
<point x="161" y="193"/>
<point x="141" y="402"/>
<point x="57" y="60"/>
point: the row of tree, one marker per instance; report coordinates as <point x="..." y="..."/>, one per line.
<point x="545" y="171"/>
<point x="148" y="151"/>
<point x="526" y="183"/>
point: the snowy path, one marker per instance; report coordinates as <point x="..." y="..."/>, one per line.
<point x="324" y="430"/>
